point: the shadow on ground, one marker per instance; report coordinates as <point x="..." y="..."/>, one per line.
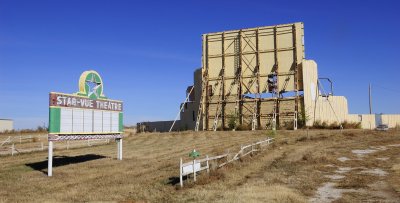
<point x="175" y="180"/>
<point x="64" y="160"/>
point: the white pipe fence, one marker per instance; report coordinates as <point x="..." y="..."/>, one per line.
<point x="8" y="140"/>
<point x="9" y="145"/>
<point x="198" y="165"/>
<point x="24" y="138"/>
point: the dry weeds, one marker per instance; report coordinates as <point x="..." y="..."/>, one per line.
<point x="289" y="171"/>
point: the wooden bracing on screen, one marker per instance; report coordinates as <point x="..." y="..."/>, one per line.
<point x="236" y="68"/>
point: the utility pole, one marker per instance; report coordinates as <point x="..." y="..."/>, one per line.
<point x="370" y="101"/>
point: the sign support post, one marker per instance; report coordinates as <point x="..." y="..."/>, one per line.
<point x="50" y="160"/>
<point x="180" y="175"/>
<point x="119" y="143"/>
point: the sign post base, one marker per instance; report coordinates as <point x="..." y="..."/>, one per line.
<point x="119" y="146"/>
<point x="50" y="160"/>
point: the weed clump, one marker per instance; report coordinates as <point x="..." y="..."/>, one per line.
<point x="309" y="157"/>
<point x="271" y="133"/>
<point x="302" y="139"/>
<point x="335" y="125"/>
<point x="212" y="176"/>
<point x="243" y="127"/>
<point x="356" y="181"/>
<point x="351" y="125"/>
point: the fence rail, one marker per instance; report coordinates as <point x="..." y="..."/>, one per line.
<point x="25" y="144"/>
<point x="8" y="140"/>
<point x="198" y="165"/>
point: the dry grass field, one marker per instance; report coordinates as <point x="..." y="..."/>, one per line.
<point x="301" y="166"/>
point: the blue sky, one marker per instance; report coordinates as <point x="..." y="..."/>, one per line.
<point x="146" y="51"/>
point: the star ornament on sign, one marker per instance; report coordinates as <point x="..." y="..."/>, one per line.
<point x="93" y="86"/>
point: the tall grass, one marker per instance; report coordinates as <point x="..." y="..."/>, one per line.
<point x="335" y="125"/>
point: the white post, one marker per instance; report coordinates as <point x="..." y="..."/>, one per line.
<point x="194" y="170"/>
<point x="180" y="174"/>
<point x="119" y="143"/>
<point x="208" y="166"/>
<point x="12" y="150"/>
<point x="50" y="160"/>
<point x="42" y="146"/>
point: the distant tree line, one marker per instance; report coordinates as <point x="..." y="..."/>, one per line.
<point x="39" y="129"/>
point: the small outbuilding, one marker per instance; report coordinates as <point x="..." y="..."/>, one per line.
<point x="6" y="125"/>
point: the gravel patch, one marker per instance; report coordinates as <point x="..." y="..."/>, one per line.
<point x="329" y="193"/>
<point x="335" y="177"/>
<point x="380" y="148"/>
<point x="343" y="159"/>
<point x="376" y="171"/>
<point x="383" y="158"/>
<point x="394" y="145"/>
<point x="362" y="152"/>
<point x="343" y="170"/>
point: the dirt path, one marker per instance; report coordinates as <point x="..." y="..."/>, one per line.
<point x="364" y="176"/>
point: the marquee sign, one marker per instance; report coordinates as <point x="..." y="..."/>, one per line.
<point x="85" y="113"/>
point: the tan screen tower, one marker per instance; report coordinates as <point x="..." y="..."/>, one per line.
<point x="252" y="76"/>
